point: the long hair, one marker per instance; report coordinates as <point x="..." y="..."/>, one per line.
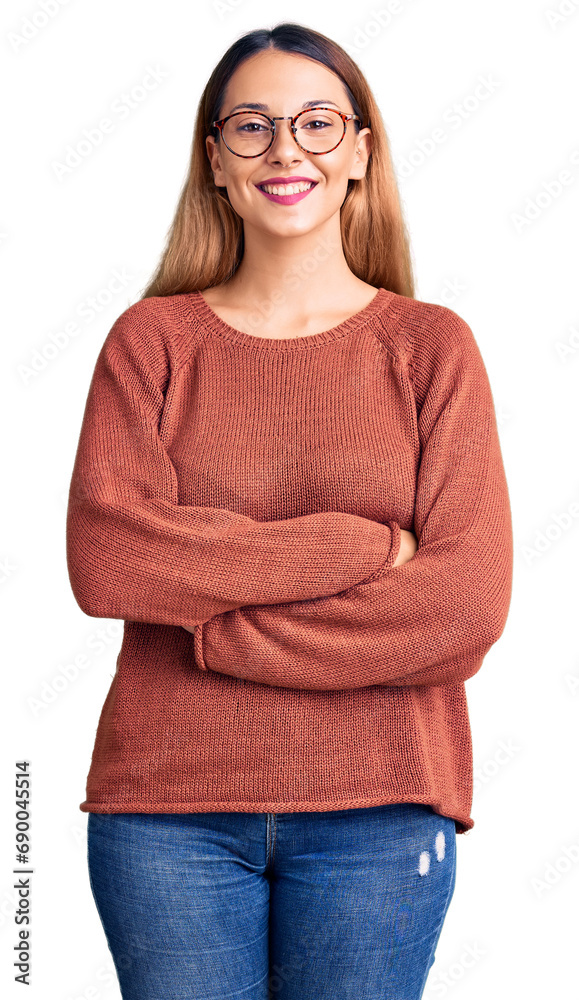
<point x="204" y="244"/>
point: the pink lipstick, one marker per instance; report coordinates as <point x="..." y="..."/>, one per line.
<point x="288" y="199"/>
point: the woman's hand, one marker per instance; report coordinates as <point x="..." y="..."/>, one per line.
<point x="408" y="546"/>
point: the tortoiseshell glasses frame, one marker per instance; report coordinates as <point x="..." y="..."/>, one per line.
<point x="345" y="118"/>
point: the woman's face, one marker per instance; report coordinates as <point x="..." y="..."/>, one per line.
<point x="284" y="82"/>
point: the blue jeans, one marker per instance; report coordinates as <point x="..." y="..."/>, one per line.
<point x="339" y="905"/>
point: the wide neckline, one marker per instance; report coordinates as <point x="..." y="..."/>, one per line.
<point x="203" y="311"/>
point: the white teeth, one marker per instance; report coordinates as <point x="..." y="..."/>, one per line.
<point x="287" y="188"/>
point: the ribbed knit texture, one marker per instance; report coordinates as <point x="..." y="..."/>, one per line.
<point x="255" y="488"/>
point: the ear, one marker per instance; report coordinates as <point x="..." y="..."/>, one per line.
<point x="362" y="154"/>
<point x="214" y="154"/>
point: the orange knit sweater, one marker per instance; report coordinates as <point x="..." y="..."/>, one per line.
<point x="255" y="489"/>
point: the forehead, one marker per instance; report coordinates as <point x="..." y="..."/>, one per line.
<point x="282" y="82"/>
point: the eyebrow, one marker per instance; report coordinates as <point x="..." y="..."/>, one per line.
<point x="265" y="107"/>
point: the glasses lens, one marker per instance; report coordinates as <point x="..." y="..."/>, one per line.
<point x="250" y="134"/>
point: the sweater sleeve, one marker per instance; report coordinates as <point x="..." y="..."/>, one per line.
<point x="133" y="552"/>
<point x="431" y="620"/>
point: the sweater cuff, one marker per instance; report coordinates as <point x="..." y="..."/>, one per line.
<point x="390" y="558"/>
<point x="198" y="647"/>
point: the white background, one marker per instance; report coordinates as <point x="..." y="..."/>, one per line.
<point x="480" y="214"/>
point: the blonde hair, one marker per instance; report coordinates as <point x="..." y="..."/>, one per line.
<point x="204" y="245"/>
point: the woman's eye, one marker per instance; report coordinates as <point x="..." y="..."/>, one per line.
<point x="253" y="127"/>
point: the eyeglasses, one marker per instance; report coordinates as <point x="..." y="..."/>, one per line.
<point x="250" y="134"/>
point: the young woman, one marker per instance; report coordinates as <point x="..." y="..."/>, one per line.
<point x="289" y="486"/>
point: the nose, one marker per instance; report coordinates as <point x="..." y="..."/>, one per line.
<point x="284" y="147"/>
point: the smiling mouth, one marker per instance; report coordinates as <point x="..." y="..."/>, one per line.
<point x="282" y="189"/>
